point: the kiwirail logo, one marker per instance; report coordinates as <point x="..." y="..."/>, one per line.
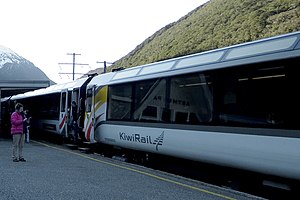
<point x="138" y="138"/>
<point x="159" y="140"/>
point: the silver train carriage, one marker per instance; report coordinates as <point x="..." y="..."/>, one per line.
<point x="236" y="106"/>
<point x="51" y="109"/>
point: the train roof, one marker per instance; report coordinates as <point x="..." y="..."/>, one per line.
<point x="57" y="88"/>
<point x="274" y="48"/>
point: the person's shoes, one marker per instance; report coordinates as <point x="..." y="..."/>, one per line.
<point x="22" y="160"/>
<point x="15" y="160"/>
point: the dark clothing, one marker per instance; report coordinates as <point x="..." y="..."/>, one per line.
<point x="74" y="114"/>
<point x="25" y="123"/>
<point x="74" y="124"/>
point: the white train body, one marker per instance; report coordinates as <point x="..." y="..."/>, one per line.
<point x="236" y="106"/>
<point x="51" y="107"/>
<point x="265" y="154"/>
<point x="251" y="142"/>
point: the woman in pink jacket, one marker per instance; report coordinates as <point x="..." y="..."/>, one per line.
<point x="17" y="133"/>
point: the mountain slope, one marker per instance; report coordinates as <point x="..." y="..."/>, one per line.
<point x="8" y="56"/>
<point x="15" y="67"/>
<point x="216" y="24"/>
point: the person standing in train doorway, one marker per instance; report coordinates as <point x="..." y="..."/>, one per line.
<point x="26" y="124"/>
<point x="74" y="124"/>
<point x="17" y="121"/>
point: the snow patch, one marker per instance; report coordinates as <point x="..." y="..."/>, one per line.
<point x="8" y="56"/>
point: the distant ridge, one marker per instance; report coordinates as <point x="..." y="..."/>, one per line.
<point x="216" y="24"/>
<point x="14" y="67"/>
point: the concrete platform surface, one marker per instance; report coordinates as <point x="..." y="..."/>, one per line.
<point x="56" y="172"/>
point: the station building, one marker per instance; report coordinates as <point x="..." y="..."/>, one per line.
<point x="9" y="88"/>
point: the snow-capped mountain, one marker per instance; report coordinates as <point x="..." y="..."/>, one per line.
<point x="8" y="56"/>
<point x="15" y="67"/>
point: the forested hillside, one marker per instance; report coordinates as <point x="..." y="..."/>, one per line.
<point x="216" y="24"/>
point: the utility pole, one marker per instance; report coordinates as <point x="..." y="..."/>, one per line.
<point x="104" y="62"/>
<point x="74" y="63"/>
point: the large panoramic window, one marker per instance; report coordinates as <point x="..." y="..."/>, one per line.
<point x="191" y="99"/>
<point x="150" y="98"/>
<point x="185" y="100"/>
<point x="257" y="95"/>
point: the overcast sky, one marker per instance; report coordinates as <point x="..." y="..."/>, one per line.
<point x="45" y="31"/>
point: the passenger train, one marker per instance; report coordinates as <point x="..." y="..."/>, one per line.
<point x="236" y="106"/>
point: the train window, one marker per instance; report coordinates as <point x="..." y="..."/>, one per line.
<point x="291" y="108"/>
<point x="63" y="102"/>
<point x="255" y="95"/>
<point x="47" y="107"/>
<point x="89" y="100"/>
<point x="149" y="100"/>
<point x="54" y="106"/>
<point x="120" y="99"/>
<point x="191" y="94"/>
<point x="75" y="95"/>
<point x="89" y="93"/>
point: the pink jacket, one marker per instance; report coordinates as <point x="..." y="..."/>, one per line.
<point x="16" y="123"/>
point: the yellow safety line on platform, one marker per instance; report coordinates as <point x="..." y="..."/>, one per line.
<point x="140" y="172"/>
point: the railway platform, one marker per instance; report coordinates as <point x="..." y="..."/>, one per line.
<point x="56" y="172"/>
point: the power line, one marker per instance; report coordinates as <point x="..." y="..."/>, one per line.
<point x="73" y="63"/>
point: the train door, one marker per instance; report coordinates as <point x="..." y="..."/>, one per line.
<point x="89" y="114"/>
<point x="75" y="97"/>
<point x="63" y="113"/>
<point x="78" y="95"/>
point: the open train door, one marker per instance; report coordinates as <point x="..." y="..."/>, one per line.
<point x="63" y="113"/>
<point x="90" y="114"/>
